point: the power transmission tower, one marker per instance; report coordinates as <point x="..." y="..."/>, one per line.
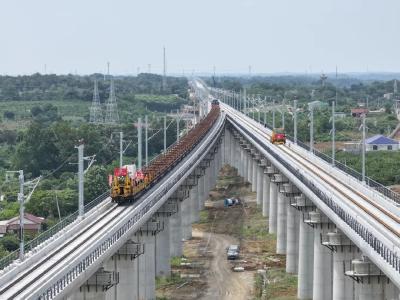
<point x="111" y="106"/>
<point x="96" y="113"/>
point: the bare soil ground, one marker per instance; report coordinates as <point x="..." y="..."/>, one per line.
<point x="205" y="272"/>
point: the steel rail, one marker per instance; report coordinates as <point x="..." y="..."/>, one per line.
<point x="54" y="252"/>
<point x="387" y="257"/>
<point x="87" y="263"/>
<point x="329" y="179"/>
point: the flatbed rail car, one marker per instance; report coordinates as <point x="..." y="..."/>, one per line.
<point x="125" y="190"/>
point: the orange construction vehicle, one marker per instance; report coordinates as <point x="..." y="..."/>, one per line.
<point x="278" y="136"/>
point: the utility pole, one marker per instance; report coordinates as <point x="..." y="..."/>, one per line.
<point x="139" y="127"/>
<point x="121" y="150"/>
<point x="311" y="107"/>
<point x="146" y="137"/>
<point x="165" y="135"/>
<point x="253" y="106"/>
<point x="240" y="100"/>
<point x="295" y="121"/>
<point x="80" y="178"/>
<point x="244" y="100"/>
<point x="333" y="132"/>
<point x="273" y="113"/>
<point x="333" y="123"/>
<point x="177" y="125"/>
<point x="363" y="147"/>
<point x="21" y="215"/>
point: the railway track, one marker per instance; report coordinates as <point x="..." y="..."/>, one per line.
<point x="57" y="273"/>
<point x="390" y="221"/>
<point x="34" y="275"/>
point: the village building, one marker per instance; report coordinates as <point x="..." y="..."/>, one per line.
<point x="32" y="224"/>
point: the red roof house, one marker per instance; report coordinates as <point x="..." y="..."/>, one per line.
<point x="31" y="224"/>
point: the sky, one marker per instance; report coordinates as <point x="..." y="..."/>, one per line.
<point x="271" y="36"/>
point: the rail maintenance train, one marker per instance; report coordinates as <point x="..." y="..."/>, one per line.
<point x="127" y="184"/>
<point x="278" y="136"/>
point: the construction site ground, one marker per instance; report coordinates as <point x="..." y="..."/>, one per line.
<point x="204" y="271"/>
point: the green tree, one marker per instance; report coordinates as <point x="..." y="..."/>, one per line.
<point x="9" y="115"/>
<point x="37" y="150"/>
<point x="96" y="182"/>
<point x="10" y="242"/>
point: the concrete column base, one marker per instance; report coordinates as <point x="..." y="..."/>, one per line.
<point x="175" y="232"/>
<point x="281" y="224"/>
<point x="306" y="261"/>
<point x="147" y="268"/>
<point x="162" y="244"/>
<point x="273" y="208"/>
<point x="292" y="240"/>
<point x="265" y="195"/>
<point x="186" y="219"/>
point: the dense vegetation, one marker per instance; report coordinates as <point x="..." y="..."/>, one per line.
<point x="43" y="117"/>
<point x="72" y="87"/>
<point x="350" y="93"/>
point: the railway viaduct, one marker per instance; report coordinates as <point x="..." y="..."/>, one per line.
<point x="340" y="235"/>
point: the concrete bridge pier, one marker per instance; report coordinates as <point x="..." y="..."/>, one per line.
<point x="226" y="146"/>
<point x="249" y="165"/>
<point x="147" y="262"/>
<point x="260" y="177"/>
<point x="175" y="231"/>
<point x="371" y="282"/>
<point x="322" y="281"/>
<point x="343" y="252"/>
<point x="292" y="228"/>
<point x="273" y="207"/>
<point x="186" y="219"/>
<point x="240" y="156"/>
<point x="96" y="287"/>
<point x="265" y="193"/>
<point x="219" y="157"/>
<point x="211" y="172"/>
<point x="280" y="210"/>
<point x="207" y="174"/>
<point x="232" y="150"/>
<point x="306" y="249"/>
<point x="205" y="185"/>
<point x="254" y="158"/>
<point x="125" y="262"/>
<point x="200" y="192"/>
<point x="390" y="290"/>
<point x="281" y="224"/>
<point x="237" y="153"/>
<point x="194" y="204"/>
<point x="241" y="159"/>
<point x="163" y="251"/>
<point x="245" y="166"/>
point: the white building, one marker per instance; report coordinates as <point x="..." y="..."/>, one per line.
<point x="380" y="142"/>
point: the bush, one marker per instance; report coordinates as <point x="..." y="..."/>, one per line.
<point x="9" y="115"/>
<point x="10" y="242"/>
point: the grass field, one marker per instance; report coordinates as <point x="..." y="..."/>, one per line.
<point x="76" y="110"/>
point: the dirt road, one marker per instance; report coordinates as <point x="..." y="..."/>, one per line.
<point x="223" y="283"/>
